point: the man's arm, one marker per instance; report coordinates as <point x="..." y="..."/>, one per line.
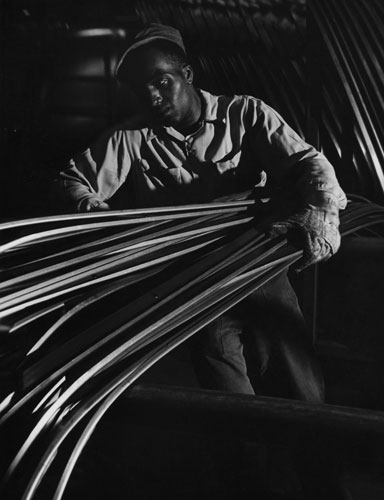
<point x="93" y="176"/>
<point x="287" y="158"/>
<point x="75" y="190"/>
<point x="299" y="167"/>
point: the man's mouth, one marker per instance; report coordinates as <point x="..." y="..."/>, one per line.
<point x="162" y="115"/>
<point x="163" y="111"/>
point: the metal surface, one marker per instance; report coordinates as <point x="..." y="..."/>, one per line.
<point x="68" y="378"/>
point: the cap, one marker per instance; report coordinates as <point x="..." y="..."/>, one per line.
<point x="150" y="33"/>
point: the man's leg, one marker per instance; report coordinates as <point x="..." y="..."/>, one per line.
<point x="270" y="324"/>
<point x="218" y="358"/>
<point x="282" y="343"/>
<point x="252" y="334"/>
<point x="278" y="344"/>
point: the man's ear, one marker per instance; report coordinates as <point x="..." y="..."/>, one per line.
<point x="188" y="73"/>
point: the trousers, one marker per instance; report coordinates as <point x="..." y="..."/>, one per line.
<point x="260" y="346"/>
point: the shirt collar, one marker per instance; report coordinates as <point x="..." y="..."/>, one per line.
<point x="150" y="134"/>
<point x="210" y="114"/>
<point x="211" y="106"/>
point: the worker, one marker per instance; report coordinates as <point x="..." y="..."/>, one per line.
<point x="189" y="146"/>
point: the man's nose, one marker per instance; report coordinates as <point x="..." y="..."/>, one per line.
<point x="155" y="97"/>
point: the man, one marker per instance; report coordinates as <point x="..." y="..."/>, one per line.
<point x="190" y="146"/>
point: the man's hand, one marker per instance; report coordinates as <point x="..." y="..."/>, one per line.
<point x="317" y="228"/>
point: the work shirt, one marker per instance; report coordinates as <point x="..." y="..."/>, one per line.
<point x="240" y="143"/>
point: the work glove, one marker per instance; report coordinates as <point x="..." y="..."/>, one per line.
<point x="316" y="229"/>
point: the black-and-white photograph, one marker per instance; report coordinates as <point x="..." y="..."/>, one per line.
<point x="191" y="249"/>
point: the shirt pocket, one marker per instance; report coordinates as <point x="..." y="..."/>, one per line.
<point x="161" y="176"/>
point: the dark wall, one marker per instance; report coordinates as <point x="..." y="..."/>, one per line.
<point x="57" y="90"/>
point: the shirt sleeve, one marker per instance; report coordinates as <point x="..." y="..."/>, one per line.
<point x="287" y="158"/>
<point x="96" y="174"/>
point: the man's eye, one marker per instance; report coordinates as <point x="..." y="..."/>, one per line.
<point x="164" y="82"/>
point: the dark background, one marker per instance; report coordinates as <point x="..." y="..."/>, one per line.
<point x="58" y="93"/>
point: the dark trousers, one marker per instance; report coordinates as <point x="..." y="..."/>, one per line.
<point x="261" y="345"/>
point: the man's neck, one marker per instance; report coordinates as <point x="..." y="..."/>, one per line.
<point x="197" y="118"/>
<point x="191" y="129"/>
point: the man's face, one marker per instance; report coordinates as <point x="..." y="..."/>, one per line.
<point x="164" y="88"/>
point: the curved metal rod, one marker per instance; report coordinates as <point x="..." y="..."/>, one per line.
<point x="122" y="383"/>
<point x="154" y="331"/>
<point x="145" y="214"/>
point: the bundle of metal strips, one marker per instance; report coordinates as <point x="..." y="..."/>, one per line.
<point x="352" y="32"/>
<point x="83" y="317"/>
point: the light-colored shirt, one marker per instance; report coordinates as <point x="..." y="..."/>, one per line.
<point x="241" y="143"/>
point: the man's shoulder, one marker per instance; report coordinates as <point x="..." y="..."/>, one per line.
<point x="220" y="105"/>
<point x="239" y="100"/>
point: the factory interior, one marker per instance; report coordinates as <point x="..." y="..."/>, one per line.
<point x="319" y="63"/>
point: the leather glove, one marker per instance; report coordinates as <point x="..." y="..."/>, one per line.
<point x="318" y="230"/>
